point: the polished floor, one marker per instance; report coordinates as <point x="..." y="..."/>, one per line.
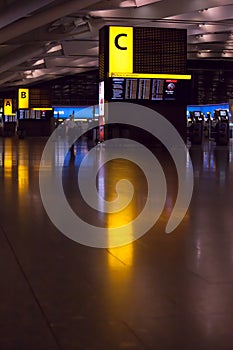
<point x="161" y="292"/>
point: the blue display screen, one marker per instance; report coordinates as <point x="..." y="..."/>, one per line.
<point x="207" y="108"/>
<point x="80" y="112"/>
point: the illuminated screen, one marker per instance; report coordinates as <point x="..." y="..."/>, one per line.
<point x="97" y="112"/>
<point x="81" y="112"/>
<point x="223" y="113"/>
<point x="208" y="109"/>
<point x="197" y="114"/>
<point x="152" y="89"/>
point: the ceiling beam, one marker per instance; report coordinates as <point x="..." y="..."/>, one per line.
<point x="162" y="9"/>
<point x="19" y="56"/>
<point x="19" y="9"/>
<point x="208" y="38"/>
<point x="47" y="16"/>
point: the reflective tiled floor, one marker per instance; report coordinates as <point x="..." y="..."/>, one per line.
<point x="161" y="292"/>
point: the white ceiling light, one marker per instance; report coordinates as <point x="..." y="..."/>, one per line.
<point x="140" y="3"/>
<point x="38" y="62"/>
<point x="28" y="73"/>
<point x="128" y="3"/>
<point x="35" y="73"/>
<point x="79" y="22"/>
<point x="55" y="48"/>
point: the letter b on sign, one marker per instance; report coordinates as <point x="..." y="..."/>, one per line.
<point x="23" y="98"/>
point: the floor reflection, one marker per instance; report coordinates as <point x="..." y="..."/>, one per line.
<point x="23" y="168"/>
<point x="19" y="163"/>
<point x="170" y="291"/>
<point x="8" y="158"/>
<point x="123" y="256"/>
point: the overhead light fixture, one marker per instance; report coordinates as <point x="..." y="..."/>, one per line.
<point x="36" y="73"/>
<point x="79" y="22"/>
<point x="128" y="3"/>
<point x="202" y="10"/>
<point x="55" y="48"/>
<point x="140" y="3"/>
<point x="28" y="74"/>
<point x="38" y="62"/>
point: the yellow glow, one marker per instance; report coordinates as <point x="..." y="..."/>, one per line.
<point x="23" y="176"/>
<point x="23" y="167"/>
<point x="23" y="98"/>
<point x="121" y="256"/>
<point x="8" y="159"/>
<point x="41" y="109"/>
<point x="120" y="49"/>
<point x="7" y="106"/>
<point x="23" y="170"/>
<point x="148" y="76"/>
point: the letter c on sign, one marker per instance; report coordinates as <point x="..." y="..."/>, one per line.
<point x="117" y="42"/>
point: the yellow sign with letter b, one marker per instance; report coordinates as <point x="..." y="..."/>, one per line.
<point x="23" y="98"/>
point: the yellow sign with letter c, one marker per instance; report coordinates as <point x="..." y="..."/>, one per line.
<point x="120" y="49"/>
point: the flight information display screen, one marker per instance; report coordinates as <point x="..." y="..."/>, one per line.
<point x="79" y="112"/>
<point x="152" y="89"/>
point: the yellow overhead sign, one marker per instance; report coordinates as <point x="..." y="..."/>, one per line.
<point x="148" y="76"/>
<point x="8" y="106"/>
<point x="120" y="49"/>
<point x="23" y="98"/>
<point x="41" y="109"/>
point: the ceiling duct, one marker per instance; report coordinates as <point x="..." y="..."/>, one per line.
<point x="80" y="22"/>
<point x="19" y="56"/>
<point x="40" y="19"/>
<point x="20" y="9"/>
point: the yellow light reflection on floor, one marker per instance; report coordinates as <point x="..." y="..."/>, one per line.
<point x="22" y="178"/>
<point x="8" y="159"/>
<point x="121" y="256"/>
<point x="23" y="169"/>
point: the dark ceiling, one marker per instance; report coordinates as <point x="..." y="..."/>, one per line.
<point x="46" y="39"/>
